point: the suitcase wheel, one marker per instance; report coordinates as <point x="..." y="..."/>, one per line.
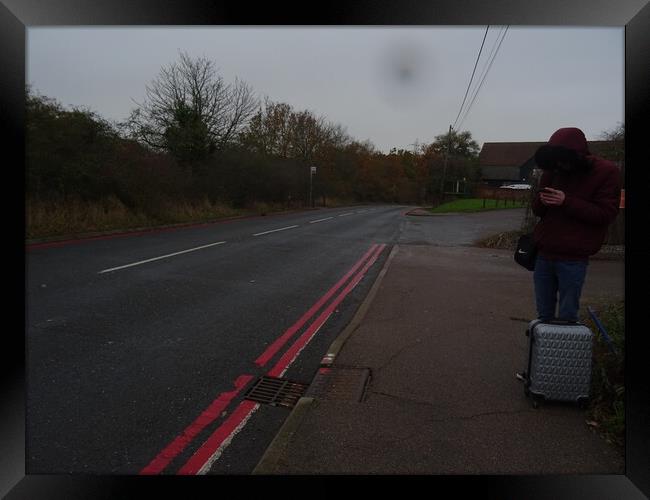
<point x="536" y="401"/>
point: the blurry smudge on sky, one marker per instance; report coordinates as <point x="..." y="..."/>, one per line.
<point x="392" y="86"/>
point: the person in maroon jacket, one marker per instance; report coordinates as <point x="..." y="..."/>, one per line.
<point x="579" y="196"/>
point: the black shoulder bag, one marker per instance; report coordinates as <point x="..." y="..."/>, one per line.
<point x="526" y="252"/>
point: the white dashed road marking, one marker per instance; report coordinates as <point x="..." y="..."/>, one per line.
<point x="275" y="230"/>
<point x="320" y="220"/>
<point x="161" y="257"/>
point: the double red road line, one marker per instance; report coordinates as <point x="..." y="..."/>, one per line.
<point x="275" y="347"/>
<point x="204" y="457"/>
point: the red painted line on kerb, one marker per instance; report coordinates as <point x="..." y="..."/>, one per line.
<point x="210" y="451"/>
<point x="34" y="246"/>
<point x="293" y="352"/>
<point x="275" y="347"/>
<point x="208" y="416"/>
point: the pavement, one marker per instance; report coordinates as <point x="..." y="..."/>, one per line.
<point x="422" y="381"/>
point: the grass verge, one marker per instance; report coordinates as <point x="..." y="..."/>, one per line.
<point x="52" y="220"/>
<point x="45" y="220"/>
<point x="476" y="205"/>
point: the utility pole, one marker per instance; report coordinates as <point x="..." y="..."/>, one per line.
<point x="444" y="170"/>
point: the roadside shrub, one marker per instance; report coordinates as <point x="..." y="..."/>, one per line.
<point x="607" y="408"/>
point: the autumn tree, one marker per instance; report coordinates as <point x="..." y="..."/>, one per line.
<point x="458" y="144"/>
<point x="411" y="177"/>
<point x="277" y="130"/>
<point x="268" y="130"/>
<point x="190" y="112"/>
<point x="451" y="157"/>
<point x="336" y="172"/>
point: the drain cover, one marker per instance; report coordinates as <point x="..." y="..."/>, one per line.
<point x="276" y="392"/>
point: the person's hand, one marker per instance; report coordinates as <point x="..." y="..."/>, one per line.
<point x="552" y="197"/>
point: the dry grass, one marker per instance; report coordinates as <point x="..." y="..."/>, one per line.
<point x="53" y="219"/>
<point x="341" y="202"/>
<point x="506" y="240"/>
<point x="46" y="219"/>
<point x="195" y="212"/>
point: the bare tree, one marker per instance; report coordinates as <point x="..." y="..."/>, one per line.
<point x="615" y="150"/>
<point x="190" y="112"/>
<point x="337" y="135"/>
<point x="308" y="133"/>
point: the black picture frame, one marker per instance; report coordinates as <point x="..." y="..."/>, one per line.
<point x="16" y="16"/>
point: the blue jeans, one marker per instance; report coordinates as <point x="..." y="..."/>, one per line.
<point x="558" y="277"/>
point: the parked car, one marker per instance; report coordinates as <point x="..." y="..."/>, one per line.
<point x="516" y="186"/>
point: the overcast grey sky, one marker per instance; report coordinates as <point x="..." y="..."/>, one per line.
<point x="389" y="85"/>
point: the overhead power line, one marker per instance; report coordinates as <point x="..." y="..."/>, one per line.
<point x="485" y="73"/>
<point x="472" y="77"/>
<point x="487" y="61"/>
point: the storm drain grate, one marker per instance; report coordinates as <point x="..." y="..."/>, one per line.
<point x="276" y="392"/>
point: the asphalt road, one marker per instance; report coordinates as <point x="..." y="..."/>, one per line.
<point x="136" y="344"/>
<point x="140" y="348"/>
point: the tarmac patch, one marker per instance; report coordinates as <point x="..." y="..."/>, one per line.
<point x="340" y="383"/>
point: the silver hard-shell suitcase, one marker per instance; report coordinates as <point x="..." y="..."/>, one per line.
<point x="559" y="362"/>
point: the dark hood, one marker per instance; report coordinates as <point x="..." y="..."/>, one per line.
<point x="566" y="145"/>
<point x="570" y="138"/>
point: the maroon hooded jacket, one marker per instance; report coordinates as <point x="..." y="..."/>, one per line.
<point x="577" y="229"/>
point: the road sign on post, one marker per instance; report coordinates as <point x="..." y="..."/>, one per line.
<point x="311" y="175"/>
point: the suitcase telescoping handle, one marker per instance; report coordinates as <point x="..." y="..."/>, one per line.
<point x="556" y="321"/>
<point x="561" y="322"/>
<point x="553" y="321"/>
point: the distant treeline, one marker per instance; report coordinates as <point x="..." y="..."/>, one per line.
<point x="203" y="143"/>
<point x="198" y="147"/>
<point x="77" y="154"/>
